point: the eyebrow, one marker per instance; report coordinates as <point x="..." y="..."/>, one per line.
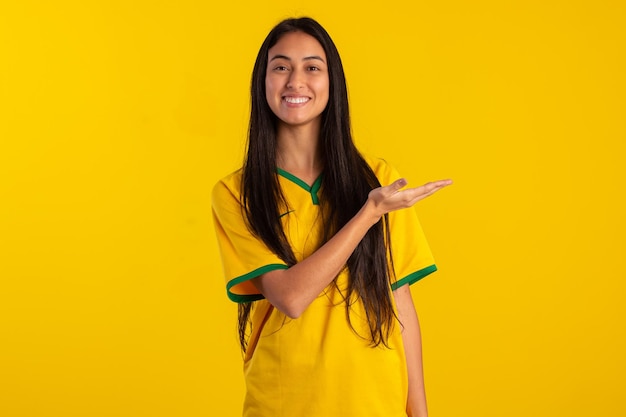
<point x="306" y="58"/>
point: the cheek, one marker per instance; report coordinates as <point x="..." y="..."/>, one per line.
<point x="268" y="88"/>
<point x="270" y="96"/>
<point x="269" y="92"/>
<point x="324" y="88"/>
<point x="271" y="83"/>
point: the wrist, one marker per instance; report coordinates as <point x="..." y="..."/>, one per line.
<point x="369" y="214"/>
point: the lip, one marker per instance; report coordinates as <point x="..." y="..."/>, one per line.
<point x="295" y="100"/>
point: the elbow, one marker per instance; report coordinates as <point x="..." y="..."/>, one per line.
<point x="291" y="310"/>
<point x="286" y="299"/>
<point x="291" y="315"/>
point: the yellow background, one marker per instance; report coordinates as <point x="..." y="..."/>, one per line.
<point x="117" y="117"/>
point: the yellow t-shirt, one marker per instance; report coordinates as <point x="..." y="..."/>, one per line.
<point x="315" y="365"/>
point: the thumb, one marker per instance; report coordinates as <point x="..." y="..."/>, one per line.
<point x="398" y="184"/>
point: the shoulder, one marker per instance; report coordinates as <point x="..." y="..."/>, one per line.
<point x="227" y="188"/>
<point x="383" y="170"/>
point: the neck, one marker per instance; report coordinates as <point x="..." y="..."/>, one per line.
<point x="298" y="151"/>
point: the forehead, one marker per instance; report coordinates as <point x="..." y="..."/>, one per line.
<point x="297" y="45"/>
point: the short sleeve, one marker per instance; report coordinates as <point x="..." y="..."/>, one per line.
<point x="411" y="255"/>
<point x="243" y="255"/>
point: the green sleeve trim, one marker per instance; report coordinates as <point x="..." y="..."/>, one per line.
<point x="239" y="298"/>
<point x="414" y="277"/>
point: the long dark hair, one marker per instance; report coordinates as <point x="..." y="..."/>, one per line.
<point x="346" y="183"/>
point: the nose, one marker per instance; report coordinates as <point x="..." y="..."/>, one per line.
<point x="296" y="79"/>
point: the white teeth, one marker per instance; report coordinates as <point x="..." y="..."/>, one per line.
<point x="296" y="100"/>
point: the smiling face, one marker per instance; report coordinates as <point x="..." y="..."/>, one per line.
<point x="296" y="81"/>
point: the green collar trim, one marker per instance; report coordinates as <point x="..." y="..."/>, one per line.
<point x="313" y="189"/>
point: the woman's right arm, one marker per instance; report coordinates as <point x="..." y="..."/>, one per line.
<point x="292" y="290"/>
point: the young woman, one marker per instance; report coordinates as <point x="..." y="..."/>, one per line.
<point x="316" y="252"/>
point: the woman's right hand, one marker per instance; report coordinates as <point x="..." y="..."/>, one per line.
<point x="383" y="200"/>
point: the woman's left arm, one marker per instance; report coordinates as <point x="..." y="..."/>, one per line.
<point x="411" y="336"/>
